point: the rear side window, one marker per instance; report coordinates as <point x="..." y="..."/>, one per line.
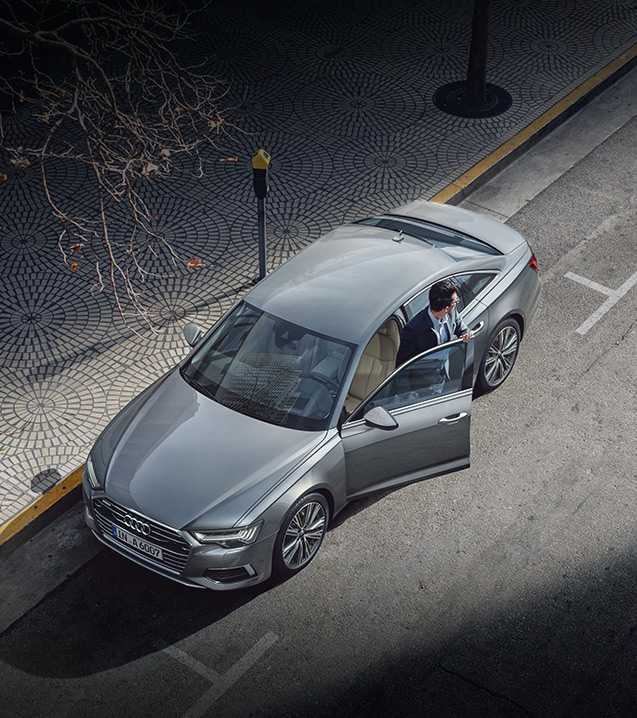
<point x="469" y="287"/>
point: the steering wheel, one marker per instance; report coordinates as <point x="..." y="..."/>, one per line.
<point x="314" y="402"/>
<point x="326" y="381"/>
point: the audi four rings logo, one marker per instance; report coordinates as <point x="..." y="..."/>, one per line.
<point x="137" y="525"/>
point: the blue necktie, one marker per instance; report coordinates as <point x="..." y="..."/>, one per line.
<point x="447" y="332"/>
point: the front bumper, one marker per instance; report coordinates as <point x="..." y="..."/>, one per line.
<point x="185" y="560"/>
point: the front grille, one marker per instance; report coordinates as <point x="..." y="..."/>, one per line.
<point x="175" y="549"/>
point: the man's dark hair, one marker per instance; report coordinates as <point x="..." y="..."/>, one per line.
<point x="440" y="295"/>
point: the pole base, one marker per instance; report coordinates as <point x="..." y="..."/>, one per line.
<point x="450" y="99"/>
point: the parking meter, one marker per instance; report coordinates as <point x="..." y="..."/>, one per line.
<point x="260" y="164"/>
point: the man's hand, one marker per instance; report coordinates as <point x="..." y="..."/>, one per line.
<point x="467" y="336"/>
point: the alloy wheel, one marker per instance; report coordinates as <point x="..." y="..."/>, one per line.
<point x="304" y="535"/>
<point x="501" y="356"/>
<point x="301" y="534"/>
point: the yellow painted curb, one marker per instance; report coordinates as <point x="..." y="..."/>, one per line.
<point x="458" y="187"/>
<point x="38" y="507"/>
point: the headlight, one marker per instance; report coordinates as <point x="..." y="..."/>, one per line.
<point x="92" y="477"/>
<point x="229" y="538"/>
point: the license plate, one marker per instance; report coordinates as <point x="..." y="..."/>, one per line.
<point x="138" y="543"/>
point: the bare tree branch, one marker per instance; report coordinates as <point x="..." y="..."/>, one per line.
<point x="120" y="102"/>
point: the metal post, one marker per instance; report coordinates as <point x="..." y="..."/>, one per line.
<point x="260" y="165"/>
<point x="261" y="230"/>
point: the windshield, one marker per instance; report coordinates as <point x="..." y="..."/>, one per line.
<point x="269" y="369"/>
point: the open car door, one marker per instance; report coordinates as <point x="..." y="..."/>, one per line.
<point x="414" y="425"/>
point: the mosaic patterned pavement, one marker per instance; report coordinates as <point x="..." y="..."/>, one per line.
<point x="340" y="94"/>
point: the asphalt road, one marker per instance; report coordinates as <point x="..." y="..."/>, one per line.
<point x="509" y="589"/>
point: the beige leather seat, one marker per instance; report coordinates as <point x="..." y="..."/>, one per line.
<point x="376" y="364"/>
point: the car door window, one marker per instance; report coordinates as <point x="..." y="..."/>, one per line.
<point x="434" y="374"/>
<point x="469" y="286"/>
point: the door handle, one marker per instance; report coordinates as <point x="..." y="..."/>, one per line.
<point x="453" y="419"/>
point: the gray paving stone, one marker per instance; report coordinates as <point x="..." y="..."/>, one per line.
<point x="341" y="95"/>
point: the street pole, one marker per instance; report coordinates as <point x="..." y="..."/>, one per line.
<point x="261" y="231"/>
<point x="260" y="165"/>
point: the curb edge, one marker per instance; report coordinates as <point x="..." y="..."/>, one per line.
<point x="507" y="153"/>
<point x="41" y="512"/>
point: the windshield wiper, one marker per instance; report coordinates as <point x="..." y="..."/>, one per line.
<point x="196" y="385"/>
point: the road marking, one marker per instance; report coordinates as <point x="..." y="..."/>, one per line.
<point x="220" y="683"/>
<point x="614" y="295"/>
<point x="192" y="663"/>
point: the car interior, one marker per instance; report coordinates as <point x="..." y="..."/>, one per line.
<point x="376" y="364"/>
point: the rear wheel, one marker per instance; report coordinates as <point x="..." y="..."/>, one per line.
<point x="500" y="356"/>
<point x="301" y="534"/>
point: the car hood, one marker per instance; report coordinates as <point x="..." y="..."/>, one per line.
<point x="184" y="458"/>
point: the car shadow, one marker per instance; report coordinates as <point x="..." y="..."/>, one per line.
<point x="112" y="612"/>
<point x="355" y="507"/>
<point x="109" y="613"/>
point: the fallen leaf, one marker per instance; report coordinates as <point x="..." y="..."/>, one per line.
<point x="164" y="153"/>
<point x="148" y="169"/>
<point x="3" y="177"/>
<point x="76" y="248"/>
<point x="20" y="162"/>
<point x="74" y="266"/>
<point x="217" y="122"/>
<point x="193" y="263"/>
<point x="229" y="159"/>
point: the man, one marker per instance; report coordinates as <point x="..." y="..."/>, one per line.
<point x="436" y="324"/>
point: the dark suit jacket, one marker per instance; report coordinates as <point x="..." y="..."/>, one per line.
<point x="418" y="335"/>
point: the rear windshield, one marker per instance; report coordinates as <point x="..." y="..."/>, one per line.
<point x="440" y="237"/>
<point x="270" y="369"/>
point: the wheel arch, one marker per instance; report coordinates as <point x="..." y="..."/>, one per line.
<point x="519" y="319"/>
<point x="327" y="494"/>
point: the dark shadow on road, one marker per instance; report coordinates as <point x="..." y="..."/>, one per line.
<point x="110" y="613"/>
<point x="564" y="646"/>
<point x="567" y="650"/>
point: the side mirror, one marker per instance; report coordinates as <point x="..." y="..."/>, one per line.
<point x="380" y="418"/>
<point x="193" y="333"/>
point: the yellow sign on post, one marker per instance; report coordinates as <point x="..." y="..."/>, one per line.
<point x="260" y="160"/>
<point x="260" y="164"/>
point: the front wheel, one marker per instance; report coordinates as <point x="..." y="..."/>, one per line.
<point x="301" y="534"/>
<point x="500" y="356"/>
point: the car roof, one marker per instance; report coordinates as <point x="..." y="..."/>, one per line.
<point x="349" y="280"/>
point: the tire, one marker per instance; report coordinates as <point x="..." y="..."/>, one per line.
<point x="500" y="356"/>
<point x="301" y="535"/>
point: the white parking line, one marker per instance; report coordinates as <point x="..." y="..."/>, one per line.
<point x="614" y="295"/>
<point x="220" y="683"/>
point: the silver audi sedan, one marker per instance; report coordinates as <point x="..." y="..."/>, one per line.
<point x="228" y="469"/>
